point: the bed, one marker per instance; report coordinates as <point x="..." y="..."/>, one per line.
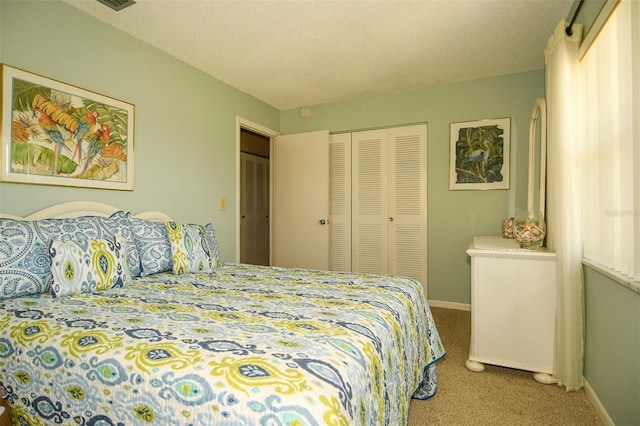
<point x="193" y="341"/>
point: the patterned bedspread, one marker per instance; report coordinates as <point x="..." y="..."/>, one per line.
<point x="244" y="345"/>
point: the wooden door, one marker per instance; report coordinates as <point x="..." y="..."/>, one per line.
<point x="340" y="202"/>
<point x="262" y="211"/>
<point x="247" y="208"/>
<point x="254" y="209"/>
<point x="389" y="209"/>
<point x="300" y="165"/>
<point x="369" y="206"/>
<point x="407" y="202"/>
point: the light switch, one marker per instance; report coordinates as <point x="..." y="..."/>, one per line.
<point x="223" y="203"/>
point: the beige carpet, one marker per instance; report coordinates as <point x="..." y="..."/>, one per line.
<point x="496" y="396"/>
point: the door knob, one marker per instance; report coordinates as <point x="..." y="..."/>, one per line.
<point x="390" y="219"/>
<point x="322" y="222"/>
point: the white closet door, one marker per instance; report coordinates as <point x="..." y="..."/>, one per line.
<point x="247" y="208"/>
<point x="340" y="202"/>
<point x="262" y="211"/>
<point x="254" y="209"/>
<point x="300" y="167"/>
<point x="369" y="209"/>
<point x="408" y="202"/>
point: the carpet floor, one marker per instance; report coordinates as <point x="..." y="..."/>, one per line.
<point x="496" y="396"/>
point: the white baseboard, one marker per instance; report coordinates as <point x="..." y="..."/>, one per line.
<point x="450" y="305"/>
<point x="602" y="412"/>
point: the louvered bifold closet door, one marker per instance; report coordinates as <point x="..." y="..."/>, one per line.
<point x="369" y="208"/>
<point x="340" y="202"/>
<point x="262" y="211"/>
<point x="408" y="202"/>
<point x="247" y="208"/>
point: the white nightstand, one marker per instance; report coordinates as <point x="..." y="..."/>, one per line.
<point x="513" y="307"/>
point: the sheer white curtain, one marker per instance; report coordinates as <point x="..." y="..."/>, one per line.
<point x="564" y="198"/>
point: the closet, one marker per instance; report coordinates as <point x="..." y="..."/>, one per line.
<point x="254" y="209"/>
<point x="378" y="201"/>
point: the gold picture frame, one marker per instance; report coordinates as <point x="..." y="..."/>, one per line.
<point x="54" y="133"/>
<point x="479" y="154"/>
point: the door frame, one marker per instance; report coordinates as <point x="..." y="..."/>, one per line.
<point x="243" y="123"/>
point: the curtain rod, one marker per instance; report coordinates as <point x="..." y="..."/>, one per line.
<point x="568" y="30"/>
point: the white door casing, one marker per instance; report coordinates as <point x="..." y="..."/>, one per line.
<point x="243" y="123"/>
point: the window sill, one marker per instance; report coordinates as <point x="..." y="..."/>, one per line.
<point x="614" y="276"/>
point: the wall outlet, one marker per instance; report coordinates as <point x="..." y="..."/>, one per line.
<point x="223" y="203"/>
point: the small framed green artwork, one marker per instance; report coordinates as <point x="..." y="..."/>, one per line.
<point x="54" y="133"/>
<point x="479" y="154"/>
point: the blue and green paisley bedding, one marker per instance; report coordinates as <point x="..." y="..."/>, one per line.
<point x="238" y="345"/>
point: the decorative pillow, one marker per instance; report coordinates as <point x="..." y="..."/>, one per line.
<point x="119" y="224"/>
<point x="152" y="242"/>
<point x="189" y="248"/>
<point x="85" y="227"/>
<point x="86" y="266"/>
<point x="25" y="264"/>
<point x="24" y="260"/>
<point x="210" y="232"/>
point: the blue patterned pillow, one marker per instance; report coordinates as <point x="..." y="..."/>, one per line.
<point x="210" y="232"/>
<point x="86" y="266"/>
<point x="152" y="242"/>
<point x="119" y="224"/>
<point x="25" y="264"/>
<point x="189" y="248"/>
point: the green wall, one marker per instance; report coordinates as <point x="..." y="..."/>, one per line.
<point x="612" y="346"/>
<point x="185" y="120"/>
<point x="454" y="217"/>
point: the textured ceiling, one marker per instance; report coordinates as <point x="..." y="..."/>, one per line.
<point x="294" y="53"/>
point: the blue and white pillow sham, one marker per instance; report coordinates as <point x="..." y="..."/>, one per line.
<point x="88" y="265"/>
<point x="210" y="233"/>
<point x="189" y="248"/>
<point x="152" y="241"/>
<point x="25" y="263"/>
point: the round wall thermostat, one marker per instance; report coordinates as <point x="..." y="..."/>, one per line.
<point x="305" y="112"/>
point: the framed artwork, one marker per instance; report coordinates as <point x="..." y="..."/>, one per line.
<point x="479" y="154"/>
<point x="57" y="134"/>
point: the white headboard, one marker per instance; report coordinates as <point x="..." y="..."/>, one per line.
<point x="85" y="208"/>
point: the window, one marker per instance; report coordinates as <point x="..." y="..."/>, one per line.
<point x="610" y="96"/>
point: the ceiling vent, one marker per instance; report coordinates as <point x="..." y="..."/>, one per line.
<point x="117" y="5"/>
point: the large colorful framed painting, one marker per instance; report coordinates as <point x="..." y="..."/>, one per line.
<point x="479" y="156"/>
<point x="58" y="134"/>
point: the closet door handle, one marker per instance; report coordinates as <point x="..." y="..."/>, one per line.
<point x="322" y="222"/>
<point x="390" y="219"/>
